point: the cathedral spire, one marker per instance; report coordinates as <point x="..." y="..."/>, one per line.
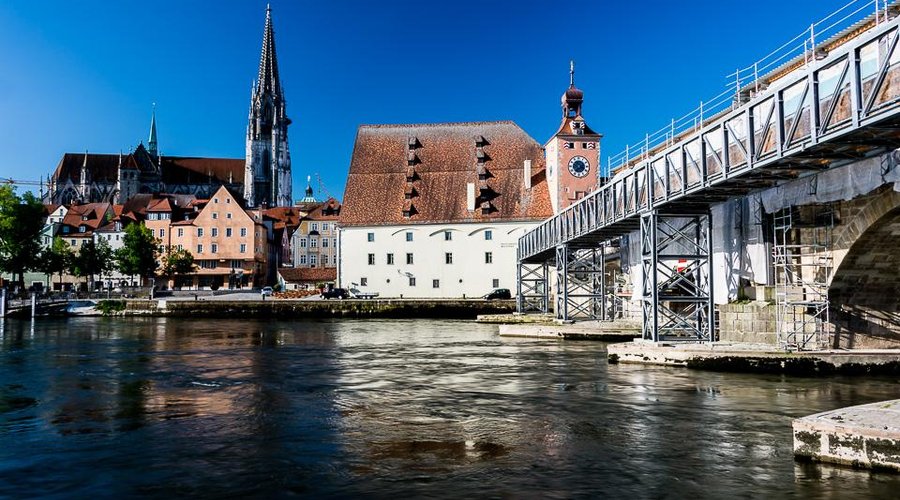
<point x="151" y="142"/>
<point x="268" y="80"/>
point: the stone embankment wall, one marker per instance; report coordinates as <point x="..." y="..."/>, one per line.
<point x="462" y="309"/>
<point x="753" y="322"/>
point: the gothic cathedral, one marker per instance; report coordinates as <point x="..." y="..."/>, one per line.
<point x="267" y="175"/>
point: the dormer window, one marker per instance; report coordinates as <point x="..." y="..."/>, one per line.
<point x="81" y="229"/>
<point x="578" y="127"/>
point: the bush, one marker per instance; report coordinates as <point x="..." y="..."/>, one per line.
<point x="110" y="307"/>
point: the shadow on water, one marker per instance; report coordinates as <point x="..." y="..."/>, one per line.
<point x="162" y="407"/>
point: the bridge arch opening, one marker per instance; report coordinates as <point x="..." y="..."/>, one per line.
<point x="864" y="295"/>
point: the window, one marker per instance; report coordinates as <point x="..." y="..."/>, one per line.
<point x="448" y="258"/>
<point x="303" y="260"/>
<point x="82" y="229"/>
<point x="324" y="259"/>
<point x="324" y="242"/>
<point x="207" y="264"/>
<point x="435" y="283"/>
<point x="409" y="236"/>
<point x="488" y="257"/>
<point x="200" y="248"/>
<point x="409" y="258"/>
<point x="324" y="226"/>
<point x="243" y="248"/>
<point x="214" y="248"/>
<point x="448" y="236"/>
<point x="495" y="283"/>
<point x="228" y="214"/>
<point x="237" y="263"/>
<point x="370" y="237"/>
<point x="199" y="232"/>
<point x="215" y="215"/>
<point x="488" y="235"/>
<point x="390" y="259"/>
<point x="215" y="232"/>
<point x="371" y="259"/>
<point x="334" y="242"/>
<point x="312" y="260"/>
<point x="73" y="243"/>
<point x="313" y="242"/>
<point x="364" y="282"/>
<point x="227" y="201"/>
<point x="152" y="231"/>
<point x="302" y="242"/>
<point x="243" y="232"/>
<point x="162" y="233"/>
<point x="180" y="232"/>
<point x="412" y="281"/>
<point x="315" y="226"/>
<point x="228" y="232"/>
<point x="215" y="200"/>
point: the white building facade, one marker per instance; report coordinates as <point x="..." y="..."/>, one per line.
<point x="431" y="260"/>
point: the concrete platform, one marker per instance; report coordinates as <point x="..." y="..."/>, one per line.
<point x="757" y="358"/>
<point x="516" y="318"/>
<point x="604" y="331"/>
<point x="862" y="436"/>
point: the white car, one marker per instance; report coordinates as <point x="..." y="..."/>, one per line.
<point x="266" y="291"/>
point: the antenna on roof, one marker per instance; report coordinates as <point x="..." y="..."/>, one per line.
<point x="571" y="72"/>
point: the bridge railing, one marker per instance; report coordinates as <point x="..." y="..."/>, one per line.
<point x="806" y="46"/>
<point x="855" y="85"/>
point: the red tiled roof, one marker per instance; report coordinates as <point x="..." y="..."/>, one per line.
<point x="331" y="206"/>
<point x="286" y="216"/>
<point x="193" y="170"/>
<point x="307" y="274"/>
<point x="95" y="213"/>
<point x="445" y="161"/>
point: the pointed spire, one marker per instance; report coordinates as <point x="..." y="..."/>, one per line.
<point x="151" y="142"/>
<point x="268" y="80"/>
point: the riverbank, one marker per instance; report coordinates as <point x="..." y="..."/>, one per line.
<point x="282" y="309"/>
<point x="862" y="436"/>
<point x="758" y="358"/>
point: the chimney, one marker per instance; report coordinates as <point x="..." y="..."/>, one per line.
<point x="527" y="174"/>
<point x="470" y="196"/>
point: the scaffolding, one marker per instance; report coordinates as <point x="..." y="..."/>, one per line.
<point x="803" y="263"/>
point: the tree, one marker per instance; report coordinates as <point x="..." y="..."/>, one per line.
<point x="178" y="262"/>
<point x="93" y="258"/>
<point x="21" y="222"/>
<point x="138" y="253"/>
<point x="55" y="259"/>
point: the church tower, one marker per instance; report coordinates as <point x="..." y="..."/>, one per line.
<point x="267" y="176"/>
<point x="573" y="153"/>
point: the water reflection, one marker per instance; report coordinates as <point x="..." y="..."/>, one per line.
<point x="157" y="407"/>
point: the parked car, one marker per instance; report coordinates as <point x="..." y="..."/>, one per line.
<point x="356" y="293"/>
<point x="336" y="293"/>
<point x="266" y="291"/>
<point x="498" y="294"/>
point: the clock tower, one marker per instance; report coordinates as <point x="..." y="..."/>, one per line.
<point x="573" y="153"/>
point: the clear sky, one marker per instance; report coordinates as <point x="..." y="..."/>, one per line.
<point x="83" y="75"/>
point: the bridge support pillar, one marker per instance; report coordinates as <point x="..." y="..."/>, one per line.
<point x="533" y="294"/>
<point x="676" y="289"/>
<point x="580" y="283"/>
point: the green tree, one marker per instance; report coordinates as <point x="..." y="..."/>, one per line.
<point x="93" y="258"/>
<point x="178" y="262"/>
<point x="21" y="221"/>
<point x="55" y="259"/>
<point x="138" y="253"/>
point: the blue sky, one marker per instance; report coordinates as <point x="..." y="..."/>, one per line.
<point x="82" y="75"/>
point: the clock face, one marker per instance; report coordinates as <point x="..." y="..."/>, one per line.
<point x="579" y="166"/>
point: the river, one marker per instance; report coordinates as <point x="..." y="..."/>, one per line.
<point x="111" y="408"/>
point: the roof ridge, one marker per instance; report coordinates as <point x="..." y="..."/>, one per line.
<point x="438" y="124"/>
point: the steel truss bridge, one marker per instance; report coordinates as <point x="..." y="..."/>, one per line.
<point x="835" y="108"/>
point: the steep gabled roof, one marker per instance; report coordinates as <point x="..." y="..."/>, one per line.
<point x="439" y="161"/>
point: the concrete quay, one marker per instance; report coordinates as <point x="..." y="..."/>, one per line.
<point x="604" y="331"/>
<point x="866" y="436"/>
<point x="757" y="358"/>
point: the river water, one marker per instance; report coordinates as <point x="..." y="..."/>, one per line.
<point x="160" y="407"/>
